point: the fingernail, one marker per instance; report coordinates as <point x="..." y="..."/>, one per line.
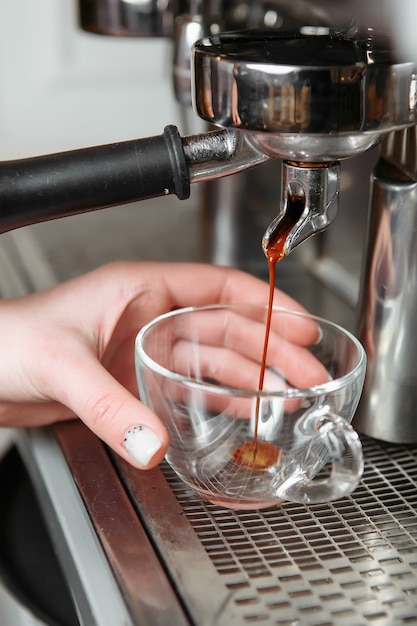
<point x="319" y="335"/>
<point x="141" y="443"/>
<point x="273" y="380"/>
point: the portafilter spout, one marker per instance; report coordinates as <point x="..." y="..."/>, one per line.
<point x="314" y="189"/>
<point x="311" y="97"/>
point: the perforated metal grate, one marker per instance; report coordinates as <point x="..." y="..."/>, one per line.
<point x="350" y="562"/>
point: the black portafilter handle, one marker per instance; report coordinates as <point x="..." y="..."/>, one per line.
<point x="48" y="187"/>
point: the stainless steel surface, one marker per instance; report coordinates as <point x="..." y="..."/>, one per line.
<point x="353" y="562"/>
<point x="198" y="18"/>
<point x="188" y="29"/>
<point x="129" y="551"/>
<point x="316" y="189"/>
<point x="309" y="95"/>
<point x="220" y="153"/>
<point x="96" y="595"/>
<point x="127" y="18"/>
<point x="349" y="563"/>
<point x="399" y="149"/>
<point x="388" y="310"/>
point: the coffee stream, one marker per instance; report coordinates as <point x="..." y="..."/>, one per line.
<point x="259" y="455"/>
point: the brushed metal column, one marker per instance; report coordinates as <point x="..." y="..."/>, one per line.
<point x="387" y="323"/>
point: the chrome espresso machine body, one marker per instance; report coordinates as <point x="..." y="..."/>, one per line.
<point x="309" y="88"/>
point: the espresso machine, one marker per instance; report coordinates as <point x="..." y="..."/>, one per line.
<point x="297" y="92"/>
<point x="309" y="89"/>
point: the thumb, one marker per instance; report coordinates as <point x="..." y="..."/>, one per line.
<point x="123" y="422"/>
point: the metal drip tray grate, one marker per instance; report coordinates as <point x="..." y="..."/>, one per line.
<point x="350" y="562"/>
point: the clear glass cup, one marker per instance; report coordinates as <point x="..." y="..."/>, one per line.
<point x="198" y="369"/>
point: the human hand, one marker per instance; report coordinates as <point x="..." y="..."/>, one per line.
<point x="69" y="351"/>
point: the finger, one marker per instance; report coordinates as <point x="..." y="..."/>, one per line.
<point x="239" y="336"/>
<point x="21" y="415"/>
<point x="141" y="291"/>
<point x="116" y="416"/>
<point x="236" y="327"/>
<point x="236" y="370"/>
<point x="163" y="286"/>
<point x="215" y="368"/>
<point x="219" y="367"/>
<point x="134" y="293"/>
<point x="200" y="284"/>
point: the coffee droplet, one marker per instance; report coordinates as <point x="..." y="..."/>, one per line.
<point x="256" y="455"/>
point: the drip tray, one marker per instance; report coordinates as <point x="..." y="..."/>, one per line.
<point x="350" y="562"/>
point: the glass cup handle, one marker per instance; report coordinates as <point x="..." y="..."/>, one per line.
<point x="341" y="447"/>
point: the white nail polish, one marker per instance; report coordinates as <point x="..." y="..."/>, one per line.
<point x="141" y="443"/>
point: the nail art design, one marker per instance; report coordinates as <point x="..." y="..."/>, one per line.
<point x="141" y="443"/>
